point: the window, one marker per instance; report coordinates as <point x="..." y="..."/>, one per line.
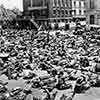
<point x="92" y="4"/>
<point x="54" y="12"/>
<point x="57" y="3"/>
<point x="45" y="2"/>
<point x="62" y="12"/>
<point x="29" y="4"/>
<point x="84" y="4"/>
<point x="66" y="12"/>
<point x="66" y="3"/>
<point x="74" y="12"/>
<point x="69" y="4"/>
<point x="79" y="12"/>
<point x="84" y="11"/>
<point x="58" y="11"/>
<point x="77" y="3"/>
<point x="74" y="3"/>
<point x="63" y="2"/>
<point x="69" y="20"/>
<point x="80" y="4"/>
<point x="62" y="20"/>
<point x="43" y="12"/>
<point x="54" y="20"/>
<point x="70" y="12"/>
<point x="58" y="20"/>
<point x="92" y="19"/>
<point x="66" y="21"/>
<point x="53" y="3"/>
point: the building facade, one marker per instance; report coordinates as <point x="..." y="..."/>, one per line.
<point x="36" y="8"/>
<point x="48" y="10"/>
<point x="60" y="11"/>
<point x="93" y="12"/>
<point x="55" y="10"/>
<point x="79" y="9"/>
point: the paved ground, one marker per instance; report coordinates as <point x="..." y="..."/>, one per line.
<point x="91" y="94"/>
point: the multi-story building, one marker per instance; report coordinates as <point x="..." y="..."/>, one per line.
<point x="60" y="11"/>
<point x="37" y="9"/>
<point x="93" y="12"/>
<point x="79" y="10"/>
<point x="48" y="10"/>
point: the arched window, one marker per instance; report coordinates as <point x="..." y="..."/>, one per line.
<point x="62" y="12"/>
<point x="58" y="12"/>
<point x="54" y="12"/>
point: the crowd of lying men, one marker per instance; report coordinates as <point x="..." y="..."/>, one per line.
<point x="64" y="57"/>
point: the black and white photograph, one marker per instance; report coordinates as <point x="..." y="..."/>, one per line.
<point x="49" y="49"/>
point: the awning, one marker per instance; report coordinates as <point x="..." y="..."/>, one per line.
<point x="37" y="8"/>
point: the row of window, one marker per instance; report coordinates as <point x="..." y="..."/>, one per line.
<point x="66" y="12"/>
<point x="61" y="12"/>
<point x="61" y="3"/>
<point x="79" y="4"/>
<point x="79" y="12"/>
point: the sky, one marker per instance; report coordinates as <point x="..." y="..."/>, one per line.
<point x="10" y="4"/>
